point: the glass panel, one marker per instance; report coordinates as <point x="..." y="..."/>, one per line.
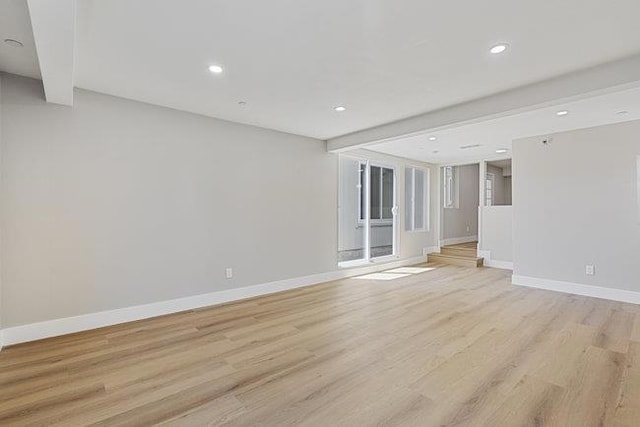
<point x="448" y="187"/>
<point x="420" y="200"/>
<point x="361" y="187"/>
<point x="351" y="230"/>
<point x="375" y="192"/>
<point x="381" y="235"/>
<point x="408" y="199"/>
<point x="387" y="193"/>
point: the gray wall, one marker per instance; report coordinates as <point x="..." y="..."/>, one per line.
<point x="115" y="203"/>
<point x="456" y="220"/>
<point x="576" y="203"/>
<point x="497" y="232"/>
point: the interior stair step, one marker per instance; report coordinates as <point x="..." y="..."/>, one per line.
<point x="463" y="254"/>
<point x="470" y="252"/>
<point x="463" y="261"/>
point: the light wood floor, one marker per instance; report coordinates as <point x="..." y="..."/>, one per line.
<point x="452" y="346"/>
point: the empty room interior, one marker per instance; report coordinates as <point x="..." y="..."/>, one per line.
<point x="319" y="213"/>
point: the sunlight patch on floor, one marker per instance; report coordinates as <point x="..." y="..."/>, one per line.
<point x="410" y="270"/>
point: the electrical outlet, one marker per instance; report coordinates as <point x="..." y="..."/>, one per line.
<point x="468" y="228"/>
<point x="590" y="270"/>
<point x="229" y="272"/>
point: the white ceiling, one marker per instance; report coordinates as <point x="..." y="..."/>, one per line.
<point x="293" y="60"/>
<point x="15" y="24"/>
<point x="499" y="133"/>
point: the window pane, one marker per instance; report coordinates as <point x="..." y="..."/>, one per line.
<point x="375" y="192"/>
<point x="387" y="193"/>
<point x="361" y="188"/>
<point x="419" y="198"/>
<point x="351" y="235"/>
<point x="449" y="197"/>
<point x="408" y="199"/>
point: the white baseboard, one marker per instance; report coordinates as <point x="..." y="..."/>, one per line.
<point x="458" y="240"/>
<point x="494" y="263"/>
<point x="68" y="325"/>
<point x="577" y="289"/>
<point x="503" y="265"/>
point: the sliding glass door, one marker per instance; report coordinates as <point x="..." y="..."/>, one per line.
<point x="367" y="211"/>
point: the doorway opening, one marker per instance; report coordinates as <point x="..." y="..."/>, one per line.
<point x="460" y="196"/>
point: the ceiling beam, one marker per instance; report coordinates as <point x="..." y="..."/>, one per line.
<point x="53" y="23"/>
<point x="599" y="80"/>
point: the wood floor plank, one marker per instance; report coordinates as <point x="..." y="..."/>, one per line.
<point x="449" y="346"/>
<point x="216" y="412"/>
<point x="628" y="405"/>
<point x="529" y="404"/>
<point x="595" y="389"/>
<point x="635" y="332"/>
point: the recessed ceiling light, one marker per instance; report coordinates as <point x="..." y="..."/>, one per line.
<point x="562" y="113"/>
<point x="215" y="69"/>
<point x="622" y="113"/>
<point x="13" y="43"/>
<point x="340" y="108"/>
<point x="501" y="150"/>
<point x="242" y="103"/>
<point x="466" y="147"/>
<point x="432" y="138"/>
<point x="499" y="48"/>
<point x="435" y="151"/>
